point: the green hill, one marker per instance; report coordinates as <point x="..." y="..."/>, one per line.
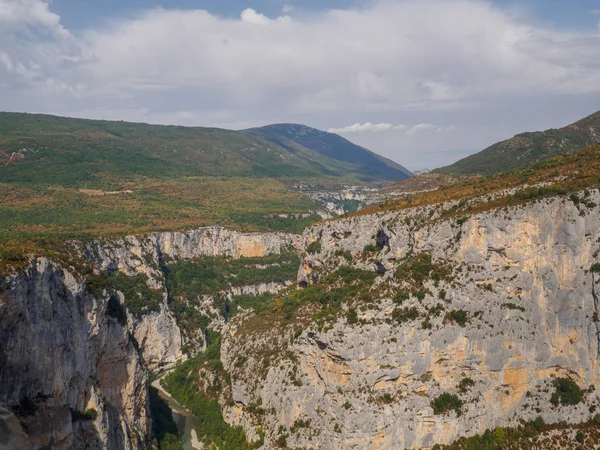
<point x="62" y="177"/>
<point x="78" y="152"/>
<point x="529" y="148"/>
<point x="319" y="148"/>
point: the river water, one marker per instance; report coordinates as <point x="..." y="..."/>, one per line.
<point x="182" y="417"/>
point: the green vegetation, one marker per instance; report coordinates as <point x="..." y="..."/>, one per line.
<point x="139" y="298"/>
<point x="513" y="306"/>
<point x="188" y="280"/>
<point x="115" y="310"/>
<point x="595" y="268"/>
<point x="566" y="392"/>
<point x="561" y="176"/>
<point x="528" y="148"/>
<point x="89" y="414"/>
<point x="402" y="315"/>
<point x="347" y="284"/>
<point x="444" y="403"/>
<point x="165" y="434"/>
<point x="417" y="269"/>
<point x="351" y="316"/>
<point x="465" y="384"/>
<point x="349" y="158"/>
<point x="458" y="316"/>
<point x="183" y="385"/>
<point x="209" y="275"/>
<point x="500" y="438"/>
<point x="314" y="247"/>
<point x="64" y="178"/>
<point x="256" y="303"/>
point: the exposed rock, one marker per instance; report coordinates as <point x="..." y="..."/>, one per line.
<point x="520" y="274"/>
<point x="60" y="352"/>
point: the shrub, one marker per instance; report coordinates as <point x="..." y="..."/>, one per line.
<point x="580" y="437"/>
<point x="459" y="316"/>
<point x="402" y="315"/>
<point x="595" y="268"/>
<point x="89" y="414"/>
<point x="351" y="316"/>
<point x="567" y="392"/>
<point x="465" y="384"/>
<point x="372" y="248"/>
<point x="314" y="247"/>
<point x="444" y="403"/>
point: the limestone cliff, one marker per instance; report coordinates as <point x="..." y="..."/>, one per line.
<point x="515" y="306"/>
<point x="60" y="352"/>
<point x="74" y="371"/>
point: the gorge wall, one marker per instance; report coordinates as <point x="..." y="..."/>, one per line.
<point x="515" y="308"/>
<point x="75" y="374"/>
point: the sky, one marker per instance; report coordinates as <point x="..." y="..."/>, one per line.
<point x="423" y="82"/>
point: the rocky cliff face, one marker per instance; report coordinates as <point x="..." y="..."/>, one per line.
<point x="506" y="304"/>
<point x="61" y="354"/>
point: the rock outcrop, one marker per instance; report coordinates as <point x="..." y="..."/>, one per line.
<point x="60" y="356"/>
<point x="516" y="307"/>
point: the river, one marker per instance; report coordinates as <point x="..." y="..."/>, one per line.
<point x="182" y="417"/>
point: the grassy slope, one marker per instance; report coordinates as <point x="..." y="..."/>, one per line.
<point x="529" y="148"/>
<point x="562" y="174"/>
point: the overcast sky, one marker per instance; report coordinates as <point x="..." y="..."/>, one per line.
<point x="423" y="82"/>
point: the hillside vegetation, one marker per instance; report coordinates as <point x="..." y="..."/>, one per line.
<point x="529" y="148"/>
<point x="556" y="176"/>
<point x="93" y="153"/>
<point x="298" y="138"/>
<point x="63" y="178"/>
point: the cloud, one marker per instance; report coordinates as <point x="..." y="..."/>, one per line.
<point x="419" y="61"/>
<point x="378" y="127"/>
<point x="367" y="126"/>
<point x="287" y="8"/>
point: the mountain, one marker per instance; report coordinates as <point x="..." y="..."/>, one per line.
<point x="319" y="148"/>
<point x="529" y="148"/>
<point x="57" y="150"/>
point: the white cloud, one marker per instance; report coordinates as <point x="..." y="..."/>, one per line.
<point x="287" y="8"/>
<point x="251" y="16"/>
<point x="377" y="127"/>
<point x="412" y="60"/>
<point x="367" y="126"/>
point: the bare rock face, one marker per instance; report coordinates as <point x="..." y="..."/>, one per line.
<point x="521" y="279"/>
<point x="11" y="433"/>
<point x="157" y="334"/>
<point x="59" y="353"/>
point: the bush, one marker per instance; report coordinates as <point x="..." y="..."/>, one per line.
<point x="567" y="392"/>
<point x="595" y="268"/>
<point x="459" y="316"/>
<point x="89" y="414"/>
<point x="351" y="316"/>
<point x="314" y="247"/>
<point x="402" y="315"/>
<point x="465" y="384"/>
<point x="444" y="403"/>
<point x="372" y="248"/>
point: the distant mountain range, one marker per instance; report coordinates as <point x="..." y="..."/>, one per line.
<point x="64" y="151"/>
<point x="529" y="148"/>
